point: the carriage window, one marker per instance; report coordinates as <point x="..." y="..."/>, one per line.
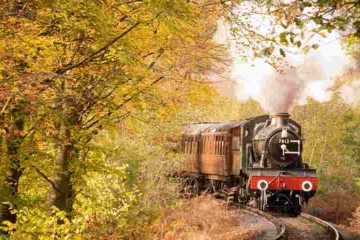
<point x="202" y="145"/>
<point x="220" y="145"/>
<point x="213" y="145"/>
<point x="189" y="145"/>
<point x="212" y="142"/>
<point x="220" y="148"/>
<point x="216" y="144"/>
<point x="192" y="150"/>
<point x="195" y="145"/>
<point x="208" y="149"/>
<point x="209" y="146"/>
<point x="205" y="145"/>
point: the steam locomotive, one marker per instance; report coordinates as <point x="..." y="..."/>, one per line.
<point x="255" y="161"/>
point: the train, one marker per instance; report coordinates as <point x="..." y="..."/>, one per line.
<point x="255" y="161"/>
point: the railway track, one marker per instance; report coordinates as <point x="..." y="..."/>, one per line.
<point x="305" y="226"/>
<point x="333" y="232"/>
<point x="280" y="233"/>
<point x="286" y="231"/>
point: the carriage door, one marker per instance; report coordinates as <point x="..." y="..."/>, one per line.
<point x="236" y="151"/>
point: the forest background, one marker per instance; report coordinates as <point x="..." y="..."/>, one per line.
<point x="93" y="95"/>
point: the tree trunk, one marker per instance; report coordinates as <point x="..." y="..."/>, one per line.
<point x="62" y="197"/>
<point x="323" y="151"/>
<point x="12" y="180"/>
<point x="14" y="140"/>
<point x="312" y="152"/>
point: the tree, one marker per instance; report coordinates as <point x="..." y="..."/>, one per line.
<point x="328" y="15"/>
<point x="324" y="128"/>
<point x="87" y="64"/>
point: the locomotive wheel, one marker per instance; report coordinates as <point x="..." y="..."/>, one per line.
<point x="186" y="187"/>
<point x="196" y="187"/>
<point x="241" y="196"/>
<point x="190" y="186"/>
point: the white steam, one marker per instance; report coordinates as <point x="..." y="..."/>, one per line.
<point x="350" y="92"/>
<point x="281" y="91"/>
<point x="313" y="77"/>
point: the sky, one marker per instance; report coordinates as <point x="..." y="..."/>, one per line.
<point x="251" y="76"/>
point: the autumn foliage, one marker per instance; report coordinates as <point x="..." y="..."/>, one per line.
<point x="93" y="95"/>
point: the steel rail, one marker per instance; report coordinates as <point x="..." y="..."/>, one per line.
<point x="281" y="229"/>
<point x="335" y="235"/>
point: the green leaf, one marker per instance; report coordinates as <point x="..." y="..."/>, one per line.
<point x="282" y="52"/>
<point x="268" y="51"/>
<point x="299" y="23"/>
<point x="283" y="39"/>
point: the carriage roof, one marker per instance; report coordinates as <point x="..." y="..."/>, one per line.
<point x="211" y="127"/>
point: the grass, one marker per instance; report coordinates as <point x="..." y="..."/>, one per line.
<point x="202" y="218"/>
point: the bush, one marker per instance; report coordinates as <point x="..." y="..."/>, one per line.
<point x="37" y="224"/>
<point x="201" y="218"/>
<point x="355" y="221"/>
<point x="336" y="207"/>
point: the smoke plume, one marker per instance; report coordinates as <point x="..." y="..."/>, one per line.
<point x="281" y="91"/>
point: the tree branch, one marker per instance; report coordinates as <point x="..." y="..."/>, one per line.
<point x="108" y="114"/>
<point x="46" y="178"/>
<point x="6" y="104"/>
<point x="96" y="53"/>
<point x="161" y="52"/>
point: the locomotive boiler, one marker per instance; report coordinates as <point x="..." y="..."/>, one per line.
<point x="257" y="161"/>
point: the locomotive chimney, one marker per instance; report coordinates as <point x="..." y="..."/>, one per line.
<point x="280" y="119"/>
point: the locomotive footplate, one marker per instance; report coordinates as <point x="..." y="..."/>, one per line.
<point x="292" y="180"/>
<point x="283" y="191"/>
